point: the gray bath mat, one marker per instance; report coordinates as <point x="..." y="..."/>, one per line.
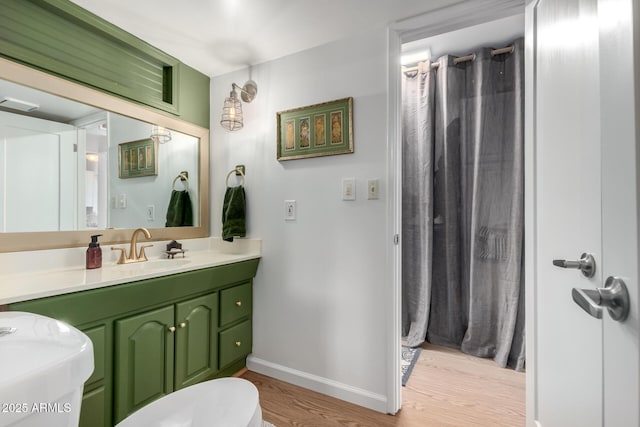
<point x="409" y="359"/>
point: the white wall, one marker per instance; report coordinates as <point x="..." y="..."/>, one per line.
<point x="495" y="34"/>
<point x="320" y="293"/>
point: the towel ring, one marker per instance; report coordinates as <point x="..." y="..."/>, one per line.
<point x="232" y="172"/>
<point x="182" y="177"/>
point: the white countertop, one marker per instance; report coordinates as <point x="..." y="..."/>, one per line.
<point x="23" y="277"/>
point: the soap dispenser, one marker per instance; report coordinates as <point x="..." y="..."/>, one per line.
<point x="94" y="253"/>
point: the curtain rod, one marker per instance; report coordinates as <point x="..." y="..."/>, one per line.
<point x="434" y="65"/>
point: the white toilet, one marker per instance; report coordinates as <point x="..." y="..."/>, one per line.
<point x="43" y="366"/>
<point x="224" y="402"/>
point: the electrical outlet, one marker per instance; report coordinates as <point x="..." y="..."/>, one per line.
<point x="122" y="201"/>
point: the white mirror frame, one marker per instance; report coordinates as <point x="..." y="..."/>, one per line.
<point x="15" y="242"/>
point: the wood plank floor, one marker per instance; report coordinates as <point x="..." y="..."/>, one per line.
<point x="447" y="388"/>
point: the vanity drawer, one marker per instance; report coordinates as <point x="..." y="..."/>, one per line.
<point x="235" y="303"/>
<point x="97" y="337"/>
<point x="234" y="343"/>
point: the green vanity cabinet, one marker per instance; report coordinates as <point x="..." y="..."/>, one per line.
<point x="164" y="350"/>
<point x="155" y="336"/>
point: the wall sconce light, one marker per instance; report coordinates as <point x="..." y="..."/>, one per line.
<point x="232" y="110"/>
<point x="160" y="134"/>
<point x="92" y="157"/>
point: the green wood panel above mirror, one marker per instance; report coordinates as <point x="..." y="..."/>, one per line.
<point x="194" y="92"/>
<point x="61" y="38"/>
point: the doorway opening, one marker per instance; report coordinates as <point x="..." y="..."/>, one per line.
<point x="437" y="318"/>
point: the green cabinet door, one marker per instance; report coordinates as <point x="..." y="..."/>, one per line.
<point x="92" y="410"/>
<point x="143" y="360"/>
<point x="95" y="410"/>
<point x="196" y="340"/>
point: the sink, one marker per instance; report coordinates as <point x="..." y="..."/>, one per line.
<point x="153" y="265"/>
<point x="43" y="366"/>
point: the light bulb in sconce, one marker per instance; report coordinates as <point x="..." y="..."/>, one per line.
<point x="160" y="134"/>
<point x="232" y="119"/>
<point x="232" y="113"/>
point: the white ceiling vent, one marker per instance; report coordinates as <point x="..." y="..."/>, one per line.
<point x="16" y="104"/>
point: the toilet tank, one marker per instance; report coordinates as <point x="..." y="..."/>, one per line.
<point x="43" y="366"/>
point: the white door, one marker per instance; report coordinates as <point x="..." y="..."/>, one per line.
<point x="27" y="147"/>
<point x="581" y="197"/>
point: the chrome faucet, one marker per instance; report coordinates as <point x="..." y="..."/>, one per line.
<point x="133" y="256"/>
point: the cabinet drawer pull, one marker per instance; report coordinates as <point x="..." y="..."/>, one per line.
<point x="239" y="303"/>
<point x="172" y="329"/>
<point x="238" y="343"/>
<point x="183" y="325"/>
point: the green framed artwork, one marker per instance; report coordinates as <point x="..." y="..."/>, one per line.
<point x="315" y="130"/>
<point x="138" y="158"/>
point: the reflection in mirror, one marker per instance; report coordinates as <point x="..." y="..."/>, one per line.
<point x="144" y="200"/>
<point x="60" y="168"/>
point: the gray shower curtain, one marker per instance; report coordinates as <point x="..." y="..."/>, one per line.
<point x="463" y="205"/>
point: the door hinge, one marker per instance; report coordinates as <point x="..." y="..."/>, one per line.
<point x="396" y="239"/>
<point x="75" y="148"/>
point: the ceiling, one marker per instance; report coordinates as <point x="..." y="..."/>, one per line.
<point x="50" y="107"/>
<point x="219" y="36"/>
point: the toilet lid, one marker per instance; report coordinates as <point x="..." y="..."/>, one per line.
<point x="229" y="402"/>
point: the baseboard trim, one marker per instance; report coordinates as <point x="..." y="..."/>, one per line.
<point x="332" y="388"/>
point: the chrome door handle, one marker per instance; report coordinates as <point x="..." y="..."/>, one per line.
<point x="614" y="297"/>
<point x="588" y="300"/>
<point x="586" y="264"/>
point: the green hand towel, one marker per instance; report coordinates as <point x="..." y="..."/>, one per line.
<point x="179" y="212"/>
<point x="233" y="213"/>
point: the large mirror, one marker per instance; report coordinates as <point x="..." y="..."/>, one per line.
<point x="75" y="162"/>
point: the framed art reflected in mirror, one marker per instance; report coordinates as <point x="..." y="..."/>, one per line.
<point x="137" y="158"/>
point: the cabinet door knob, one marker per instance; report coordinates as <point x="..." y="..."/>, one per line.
<point x="172" y="329"/>
<point x="239" y="303"/>
<point x="183" y="325"/>
<point x="238" y="343"/>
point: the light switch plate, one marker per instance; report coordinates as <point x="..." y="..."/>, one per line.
<point x="151" y="213"/>
<point x="289" y="210"/>
<point x="348" y="189"/>
<point x="373" y="189"/>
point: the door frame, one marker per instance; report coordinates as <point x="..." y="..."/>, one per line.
<point x="440" y="21"/>
<point x="530" y="260"/>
